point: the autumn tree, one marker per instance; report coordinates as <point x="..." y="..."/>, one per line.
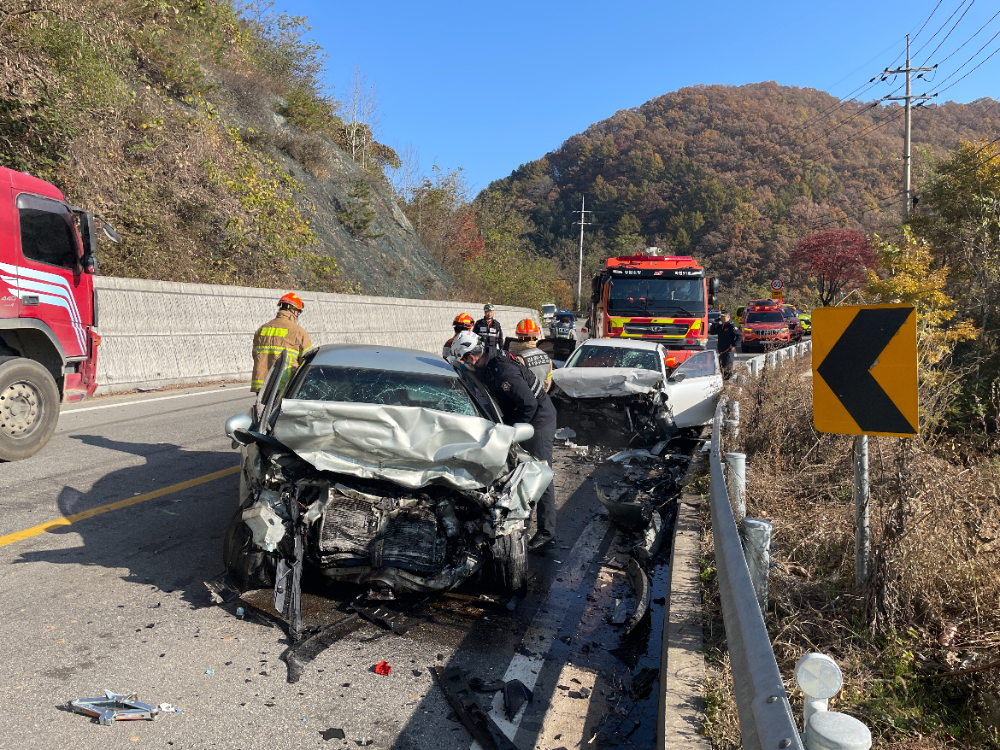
<point x="836" y="259"/>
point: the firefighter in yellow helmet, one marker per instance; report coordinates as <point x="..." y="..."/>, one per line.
<point x="283" y="334"/>
<point x="527" y="352"/>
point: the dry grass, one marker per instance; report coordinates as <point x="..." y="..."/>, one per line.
<point x="935" y="538"/>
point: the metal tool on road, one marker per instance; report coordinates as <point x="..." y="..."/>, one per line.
<point x="113" y="707"/>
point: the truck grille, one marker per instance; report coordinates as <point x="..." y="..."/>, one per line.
<point x="657" y="329"/>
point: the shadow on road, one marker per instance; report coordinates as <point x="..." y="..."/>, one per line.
<point x="173" y="542"/>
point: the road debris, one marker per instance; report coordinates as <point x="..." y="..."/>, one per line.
<point x="333" y="733"/>
<point x="114" y="707"/>
<point x="463" y="701"/>
<point x="383" y="668"/>
<point x="515" y="695"/>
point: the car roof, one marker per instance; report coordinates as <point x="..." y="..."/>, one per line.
<point x="373" y="357"/>
<point x="623" y="343"/>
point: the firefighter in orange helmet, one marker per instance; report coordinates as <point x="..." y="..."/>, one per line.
<point x="528" y="354"/>
<point x="283" y="334"/>
<point x="462" y="322"/>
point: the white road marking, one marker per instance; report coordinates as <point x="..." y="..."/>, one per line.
<point x="548" y="620"/>
<point x="139" y="402"/>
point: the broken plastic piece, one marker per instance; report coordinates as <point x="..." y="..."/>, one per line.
<point x="240" y="612"/>
<point x="640" y="584"/>
<point x="515" y="695"/>
<point x="383" y="668"/>
<point x="333" y="734"/>
<point x="485" y="686"/>
<point x="267" y="526"/>
<point x="480" y="724"/>
<point x="114" y="707"/>
<point x="565" y="433"/>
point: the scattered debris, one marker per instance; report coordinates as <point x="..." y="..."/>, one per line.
<point x="640" y="584"/>
<point x="383" y="668"/>
<point x="620" y="613"/>
<point x="417" y="673"/>
<point x="222" y="589"/>
<point x="515" y="695"/>
<point x="209" y="671"/>
<point x="634" y="453"/>
<point x="166" y="708"/>
<point x="303" y="652"/>
<point x="485" y="686"/>
<point x="114" y="707"/>
<point x="642" y="682"/>
<point x="333" y="734"/>
<point x="565" y="433"/>
<point x="463" y="701"/>
<point x="365" y="741"/>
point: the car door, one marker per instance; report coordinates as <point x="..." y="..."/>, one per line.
<point x="49" y="277"/>
<point x="693" y="395"/>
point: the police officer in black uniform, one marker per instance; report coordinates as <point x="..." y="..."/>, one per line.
<point x="521" y="398"/>
<point x="729" y="336"/>
<point x="488" y="328"/>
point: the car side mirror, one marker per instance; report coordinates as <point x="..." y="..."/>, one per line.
<point x="523" y="432"/>
<point x="237" y="422"/>
<point x="676" y="377"/>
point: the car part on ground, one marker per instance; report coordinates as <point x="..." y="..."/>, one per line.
<point x="114" y="707"/>
<point x="463" y="701"/>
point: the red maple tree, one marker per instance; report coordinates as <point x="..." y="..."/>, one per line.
<point x="836" y="258"/>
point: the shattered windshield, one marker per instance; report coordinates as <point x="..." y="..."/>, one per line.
<point x="386" y="388"/>
<point x="614" y="356"/>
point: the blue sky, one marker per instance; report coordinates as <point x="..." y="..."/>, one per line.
<point x="490" y="86"/>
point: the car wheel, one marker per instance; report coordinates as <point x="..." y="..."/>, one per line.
<point x="29" y="407"/>
<point x="508" y="563"/>
<point x="249" y="566"/>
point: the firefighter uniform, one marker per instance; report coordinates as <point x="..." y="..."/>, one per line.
<point x="489" y="331"/>
<point x="522" y="398"/>
<point x="534" y="359"/>
<point x="283" y="334"/>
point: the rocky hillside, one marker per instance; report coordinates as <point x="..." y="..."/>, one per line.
<point x="197" y="128"/>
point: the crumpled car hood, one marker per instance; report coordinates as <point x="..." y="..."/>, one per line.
<point x="408" y="445"/>
<point x="597" y="382"/>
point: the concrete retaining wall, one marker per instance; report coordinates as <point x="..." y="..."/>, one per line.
<point x="157" y="333"/>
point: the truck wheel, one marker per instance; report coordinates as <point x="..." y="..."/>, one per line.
<point x="29" y="407"/>
<point x="249" y="566"/>
<point x="508" y="563"/>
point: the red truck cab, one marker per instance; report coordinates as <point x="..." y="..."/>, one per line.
<point x="48" y="316"/>
<point x="654" y="297"/>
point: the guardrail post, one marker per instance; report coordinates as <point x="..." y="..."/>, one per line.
<point x="756" y="538"/>
<point x="736" y="482"/>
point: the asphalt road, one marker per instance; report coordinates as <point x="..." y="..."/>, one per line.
<point x="108" y="535"/>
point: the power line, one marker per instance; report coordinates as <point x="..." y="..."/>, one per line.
<point x="941" y="28"/>
<point x="928" y="19"/>
<point x="962" y="45"/>
<point x="952" y="29"/>
<point x="981" y="63"/>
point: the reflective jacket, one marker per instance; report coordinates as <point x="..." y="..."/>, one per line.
<point x="528" y="353"/>
<point x="283" y="334"/>
<point x="489" y="331"/>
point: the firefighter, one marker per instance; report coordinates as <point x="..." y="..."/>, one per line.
<point x="462" y="322"/>
<point x="729" y="336"/>
<point x="488" y="329"/>
<point x="528" y="354"/>
<point x="521" y="398"/>
<point x="283" y="334"/>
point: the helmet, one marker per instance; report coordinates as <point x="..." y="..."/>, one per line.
<point x="463" y="321"/>
<point x="528" y="328"/>
<point x="466" y="342"/>
<point x="487" y="307"/>
<point x="292" y="300"/>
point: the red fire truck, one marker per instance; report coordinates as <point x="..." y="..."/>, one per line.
<point x="48" y="315"/>
<point x="656" y="297"/>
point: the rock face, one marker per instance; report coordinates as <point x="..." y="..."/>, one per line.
<point x="394" y="265"/>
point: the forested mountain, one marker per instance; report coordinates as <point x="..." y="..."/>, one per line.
<point x="201" y="129"/>
<point x="733" y="175"/>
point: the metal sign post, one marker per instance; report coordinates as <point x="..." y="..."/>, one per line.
<point x="864" y="383"/>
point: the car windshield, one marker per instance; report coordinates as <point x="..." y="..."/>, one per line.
<point x="548" y="309"/>
<point x="614" y="356"/>
<point x="657" y="296"/>
<point x="765" y="317"/>
<point x="384" y="387"/>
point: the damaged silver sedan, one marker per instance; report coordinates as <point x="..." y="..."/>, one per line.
<point x="618" y="391"/>
<point x="381" y="467"/>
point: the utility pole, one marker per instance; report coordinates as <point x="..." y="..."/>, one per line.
<point x="583" y="223"/>
<point x="906" y="136"/>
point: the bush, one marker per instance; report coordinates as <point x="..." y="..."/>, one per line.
<point x="310" y="150"/>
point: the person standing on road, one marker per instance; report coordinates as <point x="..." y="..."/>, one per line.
<point x="462" y="322"/>
<point x="488" y="329"/>
<point x="729" y="336"/>
<point x="283" y="334"/>
<point x="522" y="399"/>
<point x="527" y="352"/>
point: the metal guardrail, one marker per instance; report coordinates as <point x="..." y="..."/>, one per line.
<point x="766" y="721"/>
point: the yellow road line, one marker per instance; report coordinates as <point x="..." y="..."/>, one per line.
<point x="41" y="528"/>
